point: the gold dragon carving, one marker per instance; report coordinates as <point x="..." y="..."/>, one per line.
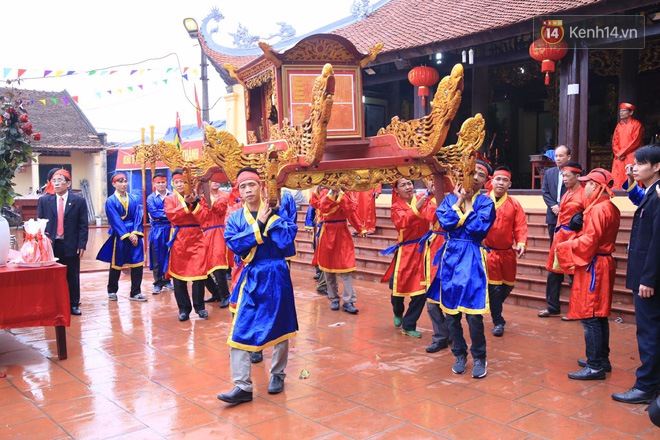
<point x="357" y="180"/>
<point x="319" y="50"/>
<point x="308" y="140"/>
<point x="426" y="135"/>
<point x="373" y="53"/>
<point x="460" y="158"/>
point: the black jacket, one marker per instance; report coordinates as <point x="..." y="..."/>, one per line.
<point x="76" y="224"/>
<point x="549" y="190"/>
<point x="644" y="248"/>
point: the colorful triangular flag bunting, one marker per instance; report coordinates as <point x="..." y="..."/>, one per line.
<point x="54" y="100"/>
<point x="7" y="70"/>
<point x="43" y="101"/>
<point x="21" y="72"/>
<point x="47" y="72"/>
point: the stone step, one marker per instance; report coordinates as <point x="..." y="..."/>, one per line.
<point x="538" y="283"/>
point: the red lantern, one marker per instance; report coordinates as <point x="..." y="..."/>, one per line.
<point x="547" y="53"/>
<point x="423" y="77"/>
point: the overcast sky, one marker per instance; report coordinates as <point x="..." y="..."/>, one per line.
<point x="76" y="35"/>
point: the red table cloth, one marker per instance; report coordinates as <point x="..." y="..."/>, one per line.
<point x="34" y="297"/>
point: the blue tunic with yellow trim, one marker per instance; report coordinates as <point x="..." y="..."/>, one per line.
<point x="265" y="307"/>
<point x="287" y="211"/>
<point x="159" y="233"/>
<point x="125" y="218"/>
<point x="461" y="283"/>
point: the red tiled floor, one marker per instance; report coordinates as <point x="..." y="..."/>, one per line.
<point x="555" y="401"/>
<point x="361" y="422"/>
<point x="177" y="419"/>
<point x="309" y="406"/>
<point x="615" y="418"/>
<point x="38" y="429"/>
<point x="135" y="372"/>
<point x="103" y="425"/>
<point x="288" y="426"/>
<point x="553" y="426"/>
<point x="478" y="428"/>
<point x="431" y="415"/>
<point x="496" y="408"/>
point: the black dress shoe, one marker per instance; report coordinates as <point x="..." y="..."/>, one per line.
<point x="498" y="330"/>
<point x="350" y="308"/>
<point x="276" y="385"/>
<point x="203" y="314"/>
<point x="606" y="368"/>
<point x="436" y="347"/>
<point x="224" y="303"/>
<point x="213" y="299"/>
<point x="236" y="396"/>
<point x="75" y="311"/>
<point x="334" y="305"/>
<point x="317" y="276"/>
<point x="587" y="374"/>
<point x="323" y="292"/>
<point x="183" y="316"/>
<point x="256" y="357"/>
<point x="634" y="395"/>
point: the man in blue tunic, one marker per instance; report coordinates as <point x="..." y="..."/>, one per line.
<point x="159" y="234"/>
<point x="124" y="247"/>
<point x="265" y="313"/>
<point x="461" y="283"/>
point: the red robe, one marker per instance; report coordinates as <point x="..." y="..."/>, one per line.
<point x="407" y="267"/>
<point x="437" y="240"/>
<point x="509" y="229"/>
<point x="187" y="259"/>
<point x="627" y="138"/>
<point x="335" y="251"/>
<point x="213" y="227"/>
<point x="571" y="203"/>
<point x="367" y="208"/>
<point x="594" y="244"/>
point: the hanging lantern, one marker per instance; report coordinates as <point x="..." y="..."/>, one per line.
<point x="423" y="77"/>
<point x="547" y="53"/>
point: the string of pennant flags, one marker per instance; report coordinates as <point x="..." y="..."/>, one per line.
<point x="120" y="91"/>
<point x="62" y="73"/>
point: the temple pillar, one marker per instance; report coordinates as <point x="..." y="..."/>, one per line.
<point x="628" y="76"/>
<point x="236" y="123"/>
<point x="573" y="103"/>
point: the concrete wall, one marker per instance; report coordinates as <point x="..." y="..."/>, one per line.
<point x="84" y="165"/>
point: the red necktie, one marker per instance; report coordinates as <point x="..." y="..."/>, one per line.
<point x="60" y="217"/>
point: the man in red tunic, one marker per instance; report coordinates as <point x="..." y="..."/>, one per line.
<point x="187" y="257"/>
<point x="406" y="273"/>
<point x="440" y="337"/>
<point x="507" y="239"/>
<point x="335" y="251"/>
<point x="591" y="255"/>
<point x="627" y="138"/>
<point x="366" y="201"/>
<point x="572" y="202"/>
<point x="212" y="219"/>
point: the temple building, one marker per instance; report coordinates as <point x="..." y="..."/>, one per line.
<point x="524" y="116"/>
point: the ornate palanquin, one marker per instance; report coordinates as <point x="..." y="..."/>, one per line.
<point x="317" y="85"/>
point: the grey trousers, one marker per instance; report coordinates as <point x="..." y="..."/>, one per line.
<point x="241" y="364"/>
<point x="440" y="329"/>
<point x="348" y="295"/>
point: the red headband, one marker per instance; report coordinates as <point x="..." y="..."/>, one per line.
<point x="246" y="175"/>
<point x="118" y="176"/>
<point x="502" y="173"/>
<point x="49" y="185"/>
<point x="626" y="106"/>
<point x="575" y="170"/>
<point x="483" y="168"/>
<point x="160" y="179"/>
<point x="177" y="176"/>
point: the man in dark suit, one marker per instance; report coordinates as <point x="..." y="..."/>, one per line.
<point x="67" y="227"/>
<point x="643" y="273"/>
<point x="552" y="189"/>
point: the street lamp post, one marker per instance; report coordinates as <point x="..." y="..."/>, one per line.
<point x="193" y="31"/>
